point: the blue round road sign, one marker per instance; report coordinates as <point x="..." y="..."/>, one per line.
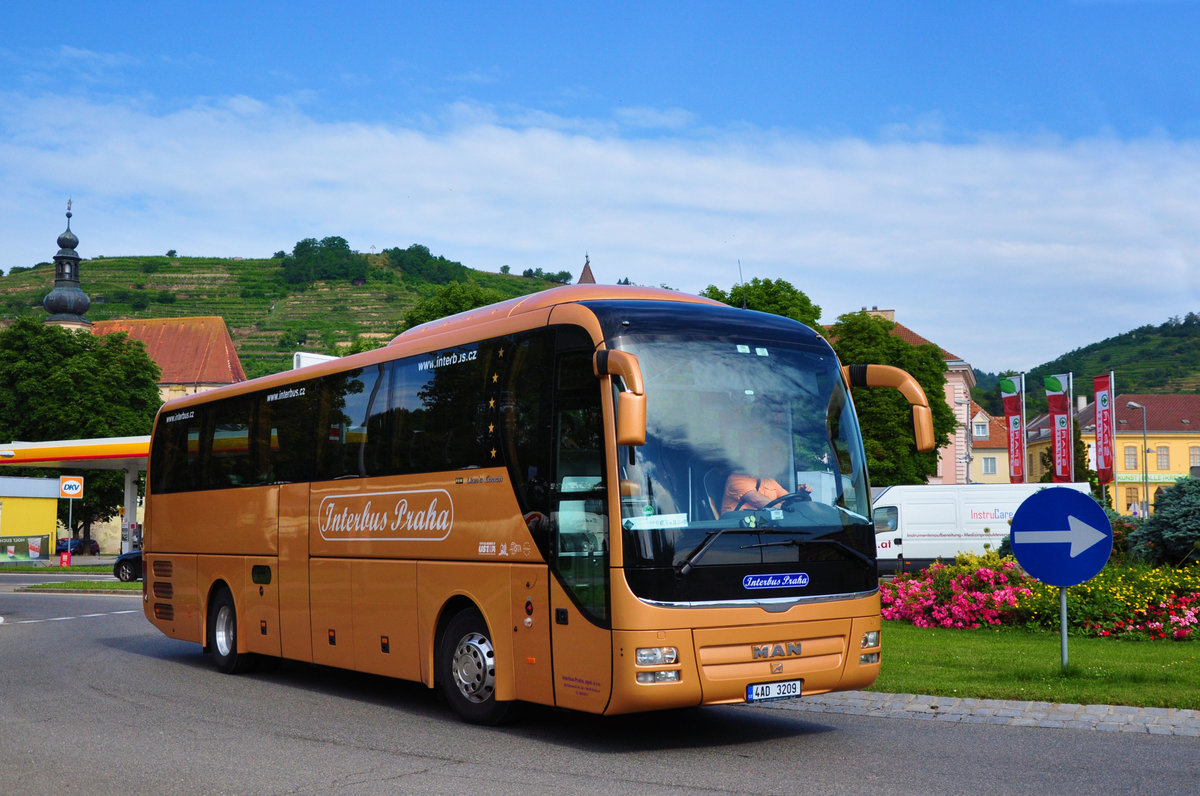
<point x="1061" y="537"/>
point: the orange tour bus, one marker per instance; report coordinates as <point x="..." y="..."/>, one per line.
<point x="604" y="498"/>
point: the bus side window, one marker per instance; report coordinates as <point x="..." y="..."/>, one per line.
<point x="523" y="415"/>
<point x="229" y="462"/>
<point x="284" y="451"/>
<point x="175" y="457"/>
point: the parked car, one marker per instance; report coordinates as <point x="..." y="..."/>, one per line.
<point x="128" y="566"/>
<point x="78" y="547"/>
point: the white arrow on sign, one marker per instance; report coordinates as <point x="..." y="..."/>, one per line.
<point x="1081" y="536"/>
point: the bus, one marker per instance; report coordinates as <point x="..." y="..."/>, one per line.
<point x="522" y="504"/>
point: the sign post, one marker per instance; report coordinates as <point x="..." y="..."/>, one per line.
<point x="71" y="488"/>
<point x="1063" y="538"/>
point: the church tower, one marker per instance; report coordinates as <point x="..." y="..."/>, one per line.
<point x="67" y="303"/>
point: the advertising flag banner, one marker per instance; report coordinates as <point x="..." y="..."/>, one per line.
<point x="1104" y="428"/>
<point x="1058" y="402"/>
<point x="1012" y="396"/>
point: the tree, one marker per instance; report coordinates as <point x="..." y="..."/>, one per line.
<point x="885" y="416"/>
<point x="60" y="384"/>
<point x="1082" y="471"/>
<point x="453" y="298"/>
<point x="1171" y="535"/>
<point x="327" y="259"/>
<point x="562" y="277"/>
<point x="418" y="265"/>
<point x="775" y="296"/>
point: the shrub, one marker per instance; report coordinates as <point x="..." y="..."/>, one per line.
<point x="1171" y="535"/>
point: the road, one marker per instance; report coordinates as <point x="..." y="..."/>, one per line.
<point x="95" y="700"/>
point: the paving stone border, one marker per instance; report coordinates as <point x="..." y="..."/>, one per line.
<point x="1011" y="713"/>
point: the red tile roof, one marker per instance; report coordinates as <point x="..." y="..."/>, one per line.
<point x="187" y="350"/>
<point x="1164" y="413"/>
<point x="1171" y="413"/>
<point x="997" y="431"/>
<point x="905" y="334"/>
<point x="909" y="336"/>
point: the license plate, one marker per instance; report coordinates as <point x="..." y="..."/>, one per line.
<point x="784" y="689"/>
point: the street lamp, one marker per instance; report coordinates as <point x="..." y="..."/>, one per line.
<point x="966" y="457"/>
<point x="1145" y="462"/>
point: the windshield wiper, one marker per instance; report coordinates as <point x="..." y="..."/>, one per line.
<point x="797" y="542"/>
<point x="694" y="556"/>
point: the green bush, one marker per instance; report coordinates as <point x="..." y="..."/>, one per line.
<point x="1171" y="535"/>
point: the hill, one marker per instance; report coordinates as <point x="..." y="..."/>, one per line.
<point x="1150" y="359"/>
<point x="268" y="317"/>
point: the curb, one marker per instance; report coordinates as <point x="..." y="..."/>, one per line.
<point x="1011" y="713"/>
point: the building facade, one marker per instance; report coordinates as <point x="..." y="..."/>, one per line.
<point x="989" y="448"/>
<point x="1147" y="458"/>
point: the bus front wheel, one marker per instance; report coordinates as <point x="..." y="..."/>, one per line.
<point x="467" y="670"/>
<point x="222" y="635"/>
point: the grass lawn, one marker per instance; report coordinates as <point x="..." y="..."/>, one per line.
<point x="1013" y="663"/>
<point x="55" y="570"/>
<point x="86" y="585"/>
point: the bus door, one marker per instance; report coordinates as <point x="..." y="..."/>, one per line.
<point x="581" y="638"/>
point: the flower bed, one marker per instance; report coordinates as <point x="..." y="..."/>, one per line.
<point x="974" y="591"/>
<point x="1133" y="601"/>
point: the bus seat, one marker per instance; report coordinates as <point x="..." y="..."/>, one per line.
<point x="714" y="489"/>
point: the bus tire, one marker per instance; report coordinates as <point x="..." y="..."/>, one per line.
<point x="222" y="635"/>
<point x="467" y="670"/>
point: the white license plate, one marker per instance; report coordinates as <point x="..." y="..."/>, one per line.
<point x="784" y="689"/>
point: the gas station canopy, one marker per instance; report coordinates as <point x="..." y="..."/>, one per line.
<point x="111" y="453"/>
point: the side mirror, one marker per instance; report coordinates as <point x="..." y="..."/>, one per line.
<point x="631" y="402"/>
<point x="888" y="376"/>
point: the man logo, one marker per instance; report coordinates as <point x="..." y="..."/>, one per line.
<point x="775" y="650"/>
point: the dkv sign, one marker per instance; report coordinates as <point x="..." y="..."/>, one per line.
<point x="70" y="486"/>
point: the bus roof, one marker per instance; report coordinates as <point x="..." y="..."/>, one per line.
<point x="541" y="300"/>
<point x="463" y="321"/>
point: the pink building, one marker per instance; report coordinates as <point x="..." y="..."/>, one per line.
<point x="954" y="460"/>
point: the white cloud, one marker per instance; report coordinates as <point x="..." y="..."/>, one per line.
<point x="1007" y="252"/>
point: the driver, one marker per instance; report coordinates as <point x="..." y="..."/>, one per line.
<point x="745" y="491"/>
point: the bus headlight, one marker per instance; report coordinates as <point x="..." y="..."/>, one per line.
<point x="669" y="676"/>
<point x="870" y="639"/>
<point x="656" y="656"/>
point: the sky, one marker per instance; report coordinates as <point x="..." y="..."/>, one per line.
<point x="1015" y="179"/>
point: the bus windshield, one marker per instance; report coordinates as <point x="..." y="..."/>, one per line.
<point x="752" y="482"/>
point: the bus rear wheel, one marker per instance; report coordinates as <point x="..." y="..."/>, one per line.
<point x="467" y="670"/>
<point x="222" y="635"/>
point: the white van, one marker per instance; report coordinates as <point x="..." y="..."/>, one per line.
<point x="916" y="525"/>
